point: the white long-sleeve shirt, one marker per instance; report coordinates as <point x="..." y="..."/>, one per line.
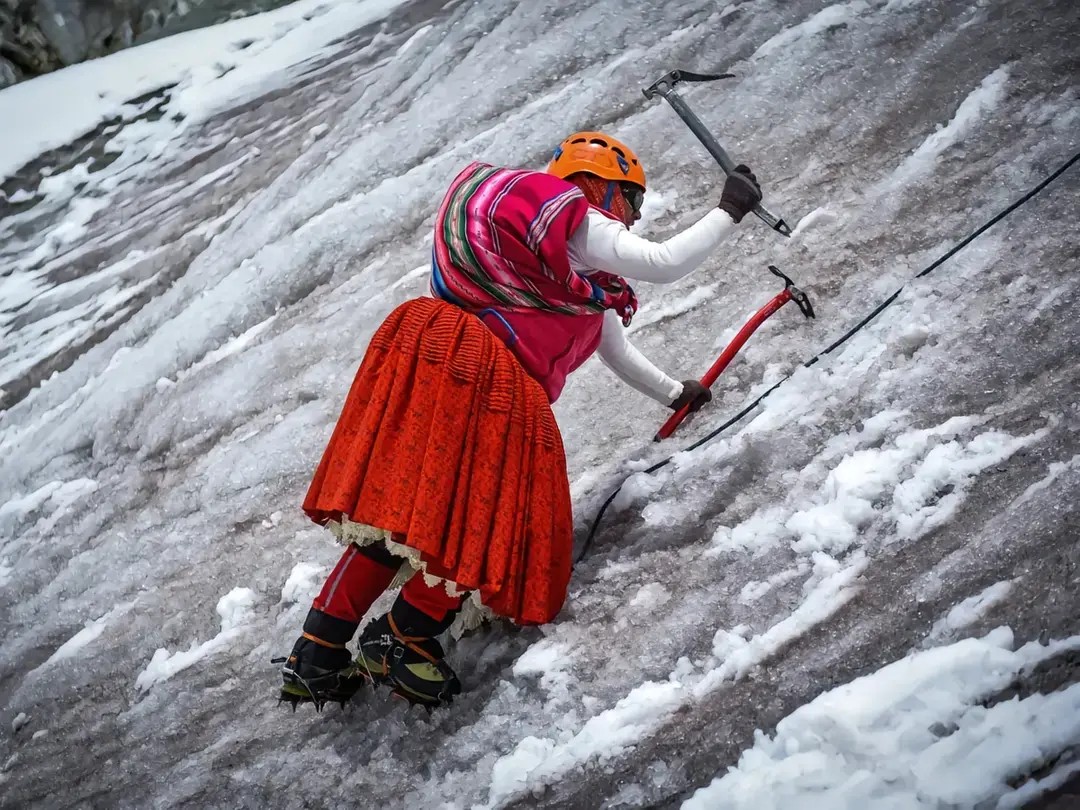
<point x="601" y="243"/>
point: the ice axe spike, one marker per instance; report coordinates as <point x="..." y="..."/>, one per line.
<point x="665" y="86"/>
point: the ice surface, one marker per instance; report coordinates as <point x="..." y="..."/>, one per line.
<point x="179" y="328"/>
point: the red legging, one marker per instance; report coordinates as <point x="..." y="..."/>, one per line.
<point x="358" y="580"/>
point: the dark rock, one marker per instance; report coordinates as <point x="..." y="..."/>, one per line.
<point x="39" y="36"/>
<point x="9" y="74"/>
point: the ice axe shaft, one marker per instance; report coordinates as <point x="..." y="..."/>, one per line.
<point x="666" y="87"/>
<point x="789" y="293"/>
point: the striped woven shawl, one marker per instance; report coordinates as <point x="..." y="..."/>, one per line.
<point x="501" y="239"/>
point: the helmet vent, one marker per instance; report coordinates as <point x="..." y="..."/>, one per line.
<point x="599" y="142"/>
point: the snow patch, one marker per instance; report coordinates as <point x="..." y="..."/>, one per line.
<point x="235" y="610"/>
<point x="1033" y="788"/>
<point x="537" y="762"/>
<point x="52" y="497"/>
<point x="302" y="584"/>
<point x="231" y="347"/>
<point x="657" y="314"/>
<point x="550" y="659"/>
<point x="829" y="16"/>
<point x="753" y="591"/>
<point x="983" y="99"/>
<point x="740" y="655"/>
<point x="651" y="596"/>
<point x="92" y="630"/>
<point x="969" y="611"/>
<point x="919" y="485"/>
<point x="411" y="41"/>
<point x="1054" y="472"/>
<point x="314" y="134"/>
<point x="758" y="533"/>
<point x="919" y="504"/>
<point x="814" y="219"/>
<point x="209" y="71"/>
<point x="71" y="229"/>
<point x="884" y="740"/>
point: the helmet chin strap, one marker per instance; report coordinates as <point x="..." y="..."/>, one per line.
<point x="609" y="196"/>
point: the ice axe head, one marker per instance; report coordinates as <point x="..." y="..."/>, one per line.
<point x="666" y="83"/>
<point x="797" y="295"/>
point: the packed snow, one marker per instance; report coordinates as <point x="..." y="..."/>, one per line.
<point x="77" y="643"/>
<point x="969" y="611"/>
<point x="234" y="608"/>
<point x="912" y="734"/>
<point x="830" y="601"/>
<point x="208" y="68"/>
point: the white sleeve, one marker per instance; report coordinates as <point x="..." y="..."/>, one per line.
<point x="631" y="366"/>
<point x="601" y="243"/>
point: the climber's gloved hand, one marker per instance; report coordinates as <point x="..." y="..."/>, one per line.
<point x="741" y="193"/>
<point x="693" y="394"/>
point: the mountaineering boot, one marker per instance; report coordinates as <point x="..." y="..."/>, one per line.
<point x="320" y="669"/>
<point x="399" y="649"/>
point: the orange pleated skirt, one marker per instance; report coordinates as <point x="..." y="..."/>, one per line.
<point x="447" y="443"/>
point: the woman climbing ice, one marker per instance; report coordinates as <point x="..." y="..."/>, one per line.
<point x="446" y="461"/>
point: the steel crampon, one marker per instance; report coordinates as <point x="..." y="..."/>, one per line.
<point x="341" y="687"/>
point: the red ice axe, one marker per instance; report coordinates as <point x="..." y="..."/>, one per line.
<point x="789" y="293"/>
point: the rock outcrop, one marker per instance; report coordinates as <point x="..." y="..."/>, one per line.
<point x="39" y="36"/>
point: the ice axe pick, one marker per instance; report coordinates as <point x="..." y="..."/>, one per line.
<point x="665" y="87"/>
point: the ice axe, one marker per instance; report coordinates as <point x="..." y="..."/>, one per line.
<point x="666" y="88"/>
<point x="789" y="293"/>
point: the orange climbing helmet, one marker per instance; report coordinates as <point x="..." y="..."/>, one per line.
<point x="597" y="154"/>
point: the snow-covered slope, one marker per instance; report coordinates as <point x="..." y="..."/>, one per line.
<point x="877" y="569"/>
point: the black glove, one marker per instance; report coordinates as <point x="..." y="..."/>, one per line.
<point x="693" y="393"/>
<point x="741" y="193"/>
